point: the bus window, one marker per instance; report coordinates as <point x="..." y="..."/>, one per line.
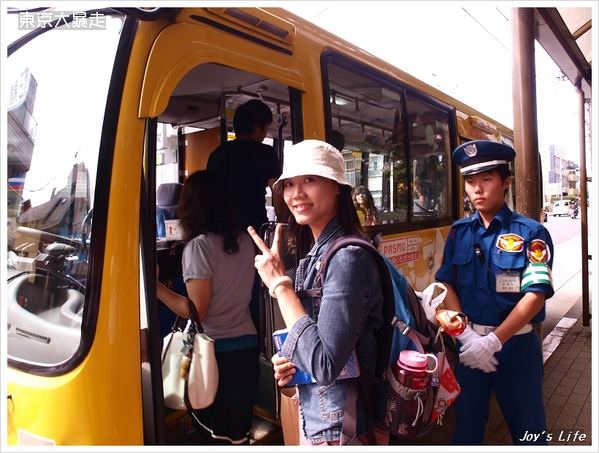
<point x="369" y="116"/>
<point x="396" y="144"/>
<point x="167" y="161"/>
<point x="430" y="158"/>
<point x="55" y="114"/>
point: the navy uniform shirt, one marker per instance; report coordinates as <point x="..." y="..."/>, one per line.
<point x="474" y="257"/>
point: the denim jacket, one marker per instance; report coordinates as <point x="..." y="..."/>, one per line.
<point x="320" y="342"/>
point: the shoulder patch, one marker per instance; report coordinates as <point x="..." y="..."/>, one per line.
<point x="538" y="252"/>
<point x="511" y="243"/>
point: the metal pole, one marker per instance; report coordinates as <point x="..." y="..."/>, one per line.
<point x="181" y="155"/>
<point x="584" y="231"/>
<point x="528" y="192"/>
<point x="525" y="120"/>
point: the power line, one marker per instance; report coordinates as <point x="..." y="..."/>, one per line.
<point x="504" y="16"/>
<point x="485" y="29"/>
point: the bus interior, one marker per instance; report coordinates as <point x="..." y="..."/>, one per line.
<point x="199" y="117"/>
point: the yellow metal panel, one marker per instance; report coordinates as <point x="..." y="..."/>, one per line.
<point x="418" y="254"/>
<point x="181" y="47"/>
<point x="473" y="127"/>
<point x="259" y="21"/>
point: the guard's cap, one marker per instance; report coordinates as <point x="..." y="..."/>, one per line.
<point x="481" y="155"/>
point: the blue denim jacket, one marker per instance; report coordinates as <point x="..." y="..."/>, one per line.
<point x="320" y="342"/>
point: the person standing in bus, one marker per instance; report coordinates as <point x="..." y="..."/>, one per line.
<point x="365" y="207"/>
<point x="497" y="267"/>
<point x="217" y="270"/>
<point x="323" y="332"/>
<point x="420" y="202"/>
<point x="246" y="164"/>
<point x="337" y="140"/>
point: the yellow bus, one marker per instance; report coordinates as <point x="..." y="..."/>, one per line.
<point x="107" y="105"/>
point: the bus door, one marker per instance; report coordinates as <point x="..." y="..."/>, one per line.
<point x="74" y="144"/>
<point x="190" y="94"/>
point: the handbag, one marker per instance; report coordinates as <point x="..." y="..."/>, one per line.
<point x="189" y="367"/>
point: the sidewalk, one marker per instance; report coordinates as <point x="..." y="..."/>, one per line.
<point x="567" y="392"/>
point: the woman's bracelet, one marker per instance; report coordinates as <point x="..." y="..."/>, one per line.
<point x="282" y="280"/>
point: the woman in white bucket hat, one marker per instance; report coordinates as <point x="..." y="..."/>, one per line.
<point x="323" y="332"/>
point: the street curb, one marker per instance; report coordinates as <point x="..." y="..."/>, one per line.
<point x="555" y="337"/>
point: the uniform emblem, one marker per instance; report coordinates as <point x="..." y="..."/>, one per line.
<point x="538" y="252"/>
<point x="470" y="150"/>
<point x="510" y="242"/>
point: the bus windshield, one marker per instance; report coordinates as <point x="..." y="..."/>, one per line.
<point x="58" y="89"/>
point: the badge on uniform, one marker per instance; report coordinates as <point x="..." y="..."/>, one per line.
<point x="507" y="282"/>
<point x="538" y="270"/>
<point x="471" y="150"/>
<point x="538" y="252"/>
<point x="511" y="243"/>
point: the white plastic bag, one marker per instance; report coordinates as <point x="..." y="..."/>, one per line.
<point x="429" y="301"/>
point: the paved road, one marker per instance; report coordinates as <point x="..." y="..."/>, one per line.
<point x="562" y="228"/>
<point x="565" y="233"/>
<point x="567" y="266"/>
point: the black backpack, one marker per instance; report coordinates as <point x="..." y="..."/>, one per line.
<point x="390" y="405"/>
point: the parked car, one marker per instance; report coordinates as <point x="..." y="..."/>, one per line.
<point x="561" y="207"/>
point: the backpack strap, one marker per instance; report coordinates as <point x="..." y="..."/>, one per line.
<point x="416" y="337"/>
<point x="350" y="416"/>
<point x="368" y="385"/>
<point x="342" y="242"/>
<point x="385" y="333"/>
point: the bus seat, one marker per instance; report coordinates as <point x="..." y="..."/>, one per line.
<point x="167" y="199"/>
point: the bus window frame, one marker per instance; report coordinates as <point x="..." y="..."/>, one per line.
<point x="156" y="427"/>
<point x="451" y="184"/>
<point x="100" y="207"/>
<point x="410" y="224"/>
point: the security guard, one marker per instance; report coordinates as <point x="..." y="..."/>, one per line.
<point x="497" y="265"/>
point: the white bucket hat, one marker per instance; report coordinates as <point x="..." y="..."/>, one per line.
<point x="313" y="157"/>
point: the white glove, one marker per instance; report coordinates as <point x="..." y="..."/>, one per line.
<point x="468" y="336"/>
<point x="480" y="353"/>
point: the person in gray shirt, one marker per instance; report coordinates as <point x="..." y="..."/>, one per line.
<point x="217" y="265"/>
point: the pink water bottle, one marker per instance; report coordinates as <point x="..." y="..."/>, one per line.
<point x="413" y="369"/>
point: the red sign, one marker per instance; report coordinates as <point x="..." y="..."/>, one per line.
<point x="402" y="250"/>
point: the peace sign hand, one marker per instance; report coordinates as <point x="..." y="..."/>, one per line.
<point x="269" y="263"/>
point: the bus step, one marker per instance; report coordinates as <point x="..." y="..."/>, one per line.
<point x="265" y="430"/>
<point x="182" y="430"/>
